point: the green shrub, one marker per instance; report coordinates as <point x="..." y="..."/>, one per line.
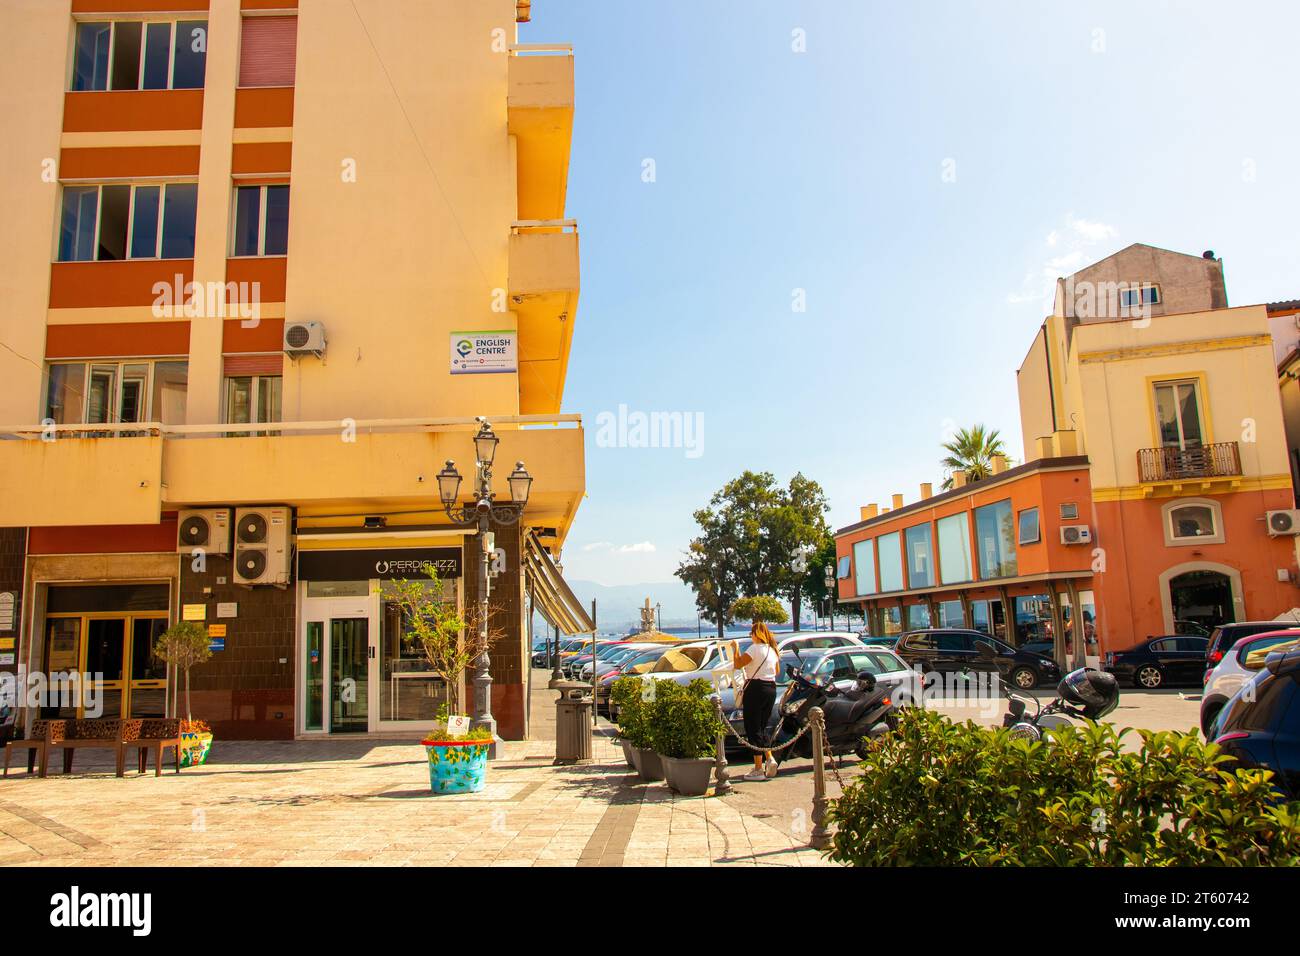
<point x="625" y="695"/>
<point x="681" y="719"/>
<point x="939" y="794"/>
<point x="762" y="608"/>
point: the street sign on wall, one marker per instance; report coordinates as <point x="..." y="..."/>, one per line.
<point x="474" y="353"/>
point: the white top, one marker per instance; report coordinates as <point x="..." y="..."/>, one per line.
<point x="762" y="662"/>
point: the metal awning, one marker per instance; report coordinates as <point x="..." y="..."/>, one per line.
<point x="551" y="594"/>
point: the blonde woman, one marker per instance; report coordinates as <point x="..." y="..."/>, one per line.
<point x="759" y="695"/>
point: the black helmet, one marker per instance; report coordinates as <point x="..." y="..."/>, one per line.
<point x="1094" y="692"/>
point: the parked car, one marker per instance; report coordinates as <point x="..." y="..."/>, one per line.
<point x="634" y="666"/>
<point x="608" y="661"/>
<point x="880" y="640"/>
<point x="1226" y="635"/>
<point x="1041" y="648"/>
<point x="954" y="650"/>
<point x="1239" y="665"/>
<point x="1168" y="660"/>
<point x="1259" y="726"/>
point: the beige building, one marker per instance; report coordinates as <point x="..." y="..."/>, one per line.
<point x="274" y="257"/>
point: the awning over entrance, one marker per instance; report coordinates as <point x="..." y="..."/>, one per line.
<point x="551" y="594"/>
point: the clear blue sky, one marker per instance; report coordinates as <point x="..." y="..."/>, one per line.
<point x="823" y="170"/>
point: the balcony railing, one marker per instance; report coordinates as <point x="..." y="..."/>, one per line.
<point x="1220" y="460"/>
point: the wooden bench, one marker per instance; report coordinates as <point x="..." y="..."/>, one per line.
<point x="115" y="735"/>
<point x="158" y="734"/>
<point x="46" y="735"/>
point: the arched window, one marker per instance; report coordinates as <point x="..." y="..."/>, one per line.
<point x="1190" y="521"/>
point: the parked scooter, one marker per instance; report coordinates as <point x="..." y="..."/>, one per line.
<point x="1083" y="694"/>
<point x="866" y="710"/>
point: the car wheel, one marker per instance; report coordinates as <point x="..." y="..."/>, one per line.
<point x="1149" y="677"/>
<point x="1208" y="716"/>
<point x="1024" y="678"/>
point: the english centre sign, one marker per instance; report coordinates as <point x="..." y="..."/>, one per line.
<point x="475" y="353"/>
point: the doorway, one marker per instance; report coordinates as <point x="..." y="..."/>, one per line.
<point x="337" y="657"/>
<point x="116" y="653"/>
<point x="1202" y="597"/>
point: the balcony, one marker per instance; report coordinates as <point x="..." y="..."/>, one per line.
<point x="539" y="106"/>
<point x="131" y="474"/>
<point x="544" y="286"/>
<point x="1199" y="464"/>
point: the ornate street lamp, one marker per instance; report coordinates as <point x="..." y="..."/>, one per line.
<point x="830" y="593"/>
<point x="484" y="512"/>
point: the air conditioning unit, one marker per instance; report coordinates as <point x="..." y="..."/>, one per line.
<point x="1076" y="534"/>
<point x="304" y="338"/>
<point x="203" y="528"/>
<point x="262" y="545"/>
<point x="1282" y="522"/>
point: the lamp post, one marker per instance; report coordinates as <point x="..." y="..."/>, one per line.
<point x="830" y="594"/>
<point x="484" y="512"/>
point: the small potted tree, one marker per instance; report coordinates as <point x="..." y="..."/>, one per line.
<point x="684" y="727"/>
<point x="183" y="645"/>
<point x="628" y="695"/>
<point x="450" y="641"/>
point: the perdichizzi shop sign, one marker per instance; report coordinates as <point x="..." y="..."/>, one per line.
<point x="478" y="352"/>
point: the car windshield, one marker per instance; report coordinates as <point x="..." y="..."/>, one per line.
<point x="849" y="666"/>
<point x="1253" y="654"/>
<point x="645" y="657"/>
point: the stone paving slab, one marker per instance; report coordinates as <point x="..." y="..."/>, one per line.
<point x="367" y="803"/>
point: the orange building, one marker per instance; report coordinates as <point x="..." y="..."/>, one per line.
<point x="1162" y="405"/>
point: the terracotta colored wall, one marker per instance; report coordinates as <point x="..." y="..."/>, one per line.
<point x="1131" y="536"/>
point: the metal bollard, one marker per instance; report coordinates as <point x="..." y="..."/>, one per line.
<point x="721" y="779"/>
<point x="821" y="837"/>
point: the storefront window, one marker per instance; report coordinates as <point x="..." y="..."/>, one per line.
<point x="979" y="617"/>
<point x="918" y="615"/>
<point x="950" y="614"/>
<point x="409" y="689"/>
<point x="1033" y="619"/>
<point x="890" y="556"/>
<point x="919" y="559"/>
<point x="954" y="549"/>
<point x="995" y="540"/>
<point x="864" y="562"/>
<point x="890" y="621"/>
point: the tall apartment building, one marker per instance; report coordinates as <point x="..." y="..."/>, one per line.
<point x="1156" y="492"/>
<point x="265" y="263"/>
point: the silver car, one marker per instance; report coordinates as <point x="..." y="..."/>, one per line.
<point x="1234" y="670"/>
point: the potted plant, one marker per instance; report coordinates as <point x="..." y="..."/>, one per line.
<point x="628" y="696"/>
<point x="450" y="640"/>
<point x="183" y="645"/>
<point x="684" y="727"/>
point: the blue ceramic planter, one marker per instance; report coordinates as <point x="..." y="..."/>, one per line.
<point x="457" y="766"/>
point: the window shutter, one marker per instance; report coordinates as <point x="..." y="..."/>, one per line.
<point x="268" y="53"/>
<point x="254" y="364"/>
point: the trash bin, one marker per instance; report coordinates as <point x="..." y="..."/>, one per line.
<point x="573" y="722"/>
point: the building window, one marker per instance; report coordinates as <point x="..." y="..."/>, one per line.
<point x="268" y="51"/>
<point x="920" y="562"/>
<point x="1136" y="296"/>
<point x="918" y="616"/>
<point x="1030" y="532"/>
<point x="1069" y="511"/>
<point x="1193" y="521"/>
<point x="140" y="55"/>
<point x="1033" y="619"/>
<point x="995" y="541"/>
<point x="261" y="221"/>
<point x="252" y="399"/>
<point x="845" y="569"/>
<point x="889" y="554"/>
<point x="114" y="222"/>
<point x="954" y="548"/>
<point x="864" y="561"/>
<point x="110" y="393"/>
<point x="950" y="614"/>
<point x="1178" y="414"/>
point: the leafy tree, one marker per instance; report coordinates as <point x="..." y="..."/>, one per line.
<point x="183" y="645"/>
<point x="762" y="608"/>
<point x="971" y="450"/>
<point x="797" y="532"/>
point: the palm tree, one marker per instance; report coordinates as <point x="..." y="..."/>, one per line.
<point x="971" y="450"/>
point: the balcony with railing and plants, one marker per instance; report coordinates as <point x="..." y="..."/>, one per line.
<point x="1189" y="464"/>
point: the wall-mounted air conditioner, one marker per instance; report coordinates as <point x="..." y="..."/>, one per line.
<point x="1282" y="522"/>
<point x="262" y="545"/>
<point x="304" y="338"/>
<point x="1076" y="534"/>
<point x="205" y="529"/>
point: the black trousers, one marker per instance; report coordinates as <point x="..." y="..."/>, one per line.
<point x="757" y="703"/>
